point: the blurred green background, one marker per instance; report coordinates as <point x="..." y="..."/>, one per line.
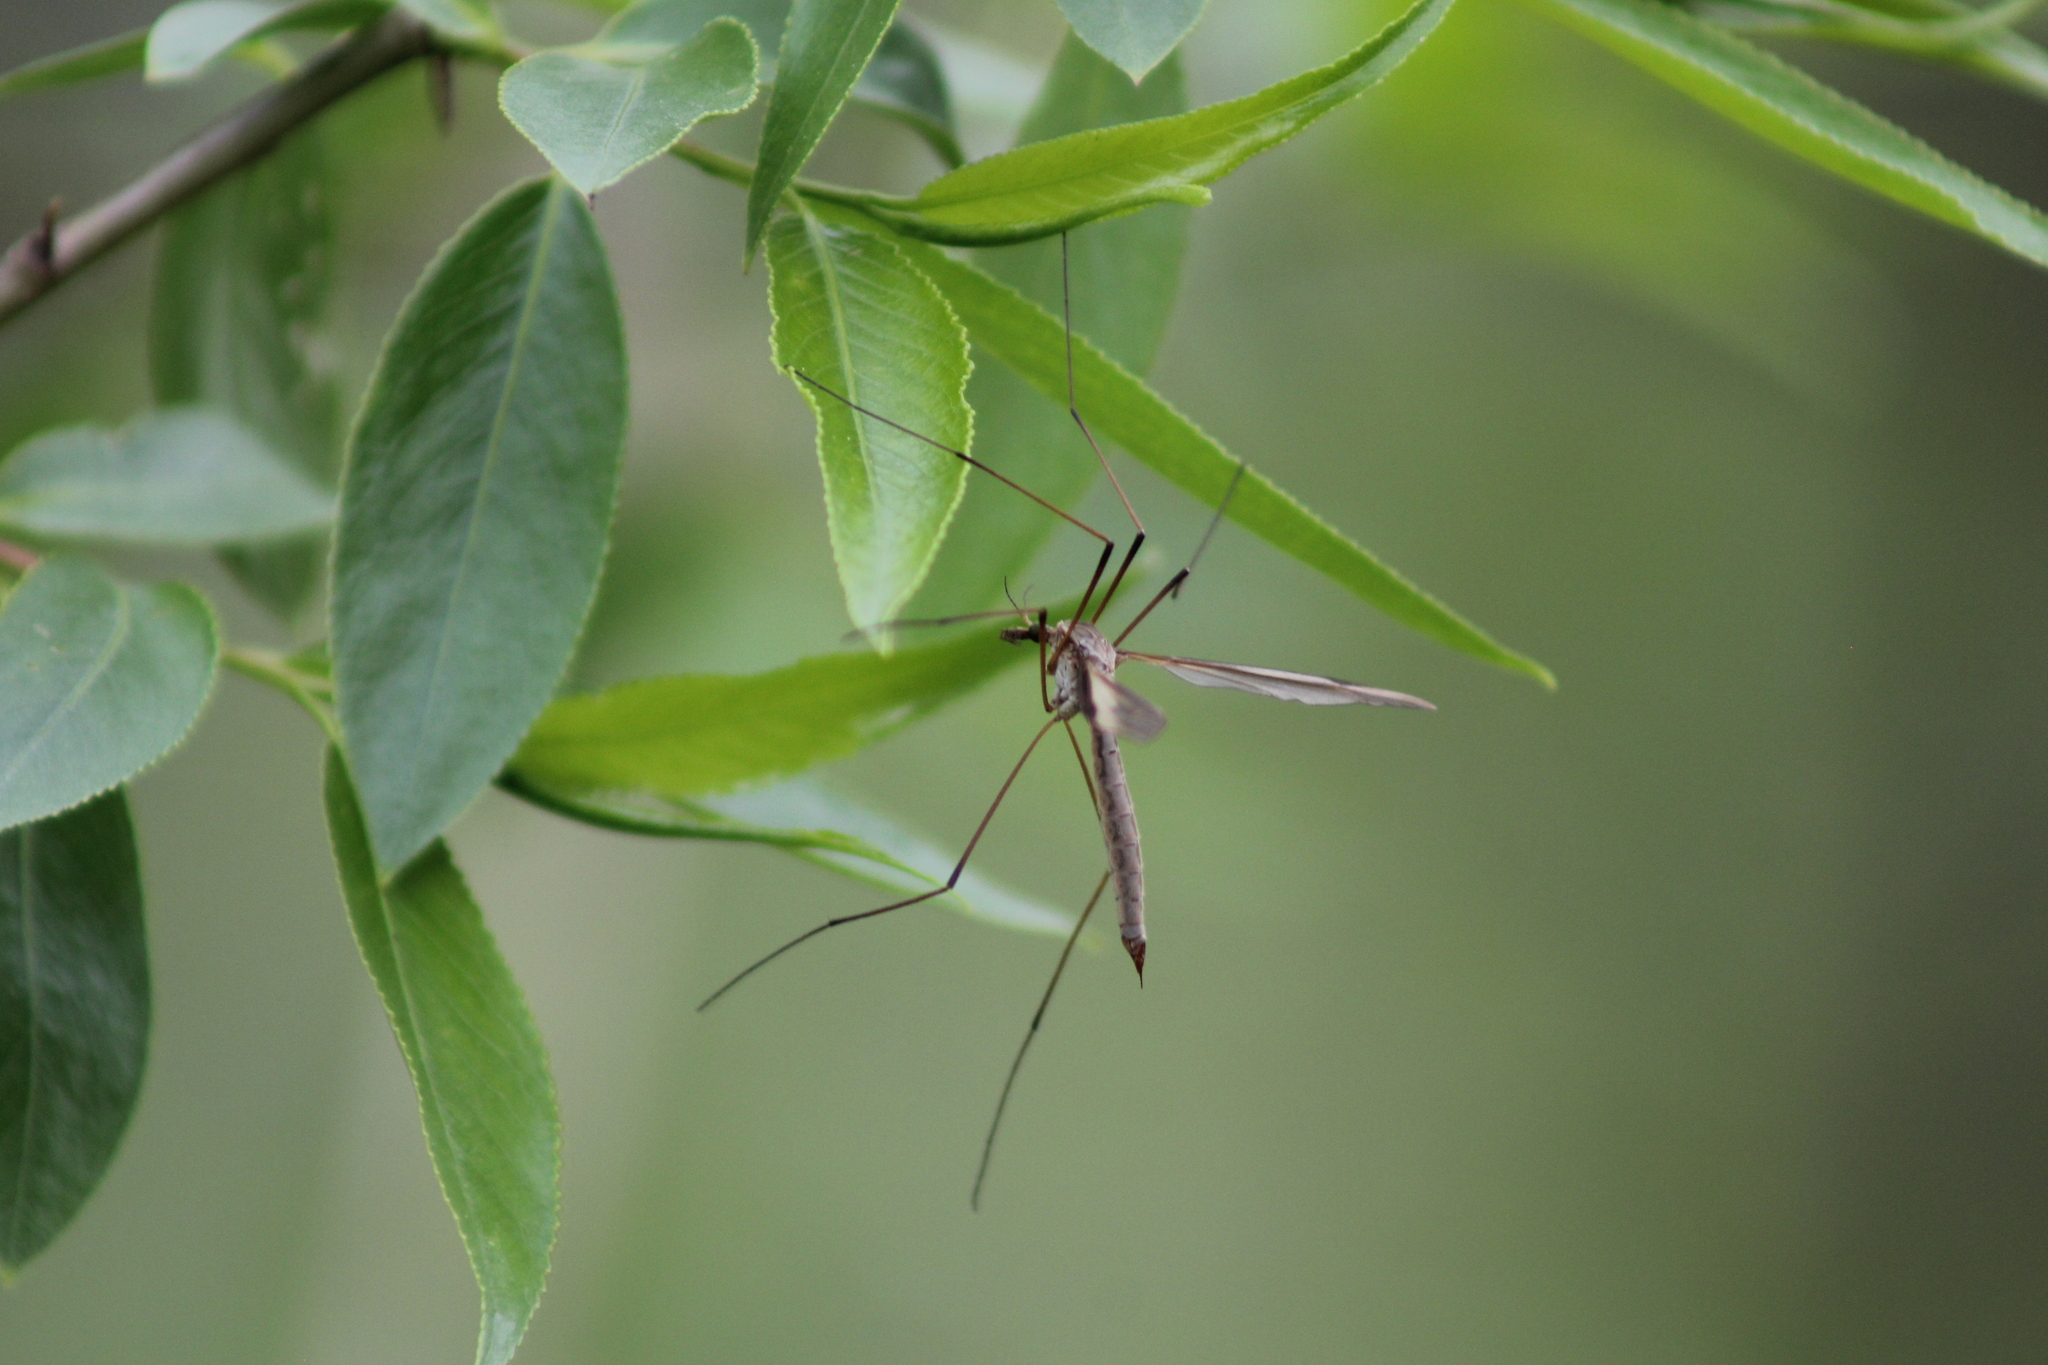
<point x="1691" y="1014"/>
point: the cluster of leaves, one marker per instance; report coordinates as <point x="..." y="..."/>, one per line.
<point x="466" y="521"/>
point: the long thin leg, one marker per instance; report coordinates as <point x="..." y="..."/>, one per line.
<point x="988" y="1144"/>
<point x="952" y="878"/>
<point x="1074" y="411"/>
<point x="1172" y="588"/>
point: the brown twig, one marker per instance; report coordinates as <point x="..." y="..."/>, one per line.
<point x="54" y="252"/>
<point x="16" y="558"/>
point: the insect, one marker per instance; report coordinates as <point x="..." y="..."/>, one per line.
<point x="1077" y="668"/>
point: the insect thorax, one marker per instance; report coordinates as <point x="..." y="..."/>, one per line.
<point x="1069" y="675"/>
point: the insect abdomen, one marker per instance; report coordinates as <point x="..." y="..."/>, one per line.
<point x="1120" y="837"/>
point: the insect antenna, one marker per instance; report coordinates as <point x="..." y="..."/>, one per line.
<point x="1173" y="585"/>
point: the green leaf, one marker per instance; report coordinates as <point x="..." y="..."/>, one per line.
<point x="690" y="736"/>
<point x="1134" y="34"/>
<point x="815" y="824"/>
<point x="1049" y="187"/>
<point x="475" y="509"/>
<point x="1786" y="106"/>
<point x="186" y="38"/>
<point x="97" y="681"/>
<point x="74" y="1014"/>
<point x="186" y="476"/>
<point x="239" y="322"/>
<point x="906" y="82"/>
<point x="1120" y="406"/>
<point x="107" y="57"/>
<point x="1125" y="274"/>
<point x="854" y="315"/>
<point x="601" y="109"/>
<point x="486" y="1098"/>
<point x="456" y="18"/>
<point x="825" y="47"/>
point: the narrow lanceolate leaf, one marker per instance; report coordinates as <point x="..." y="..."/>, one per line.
<point x="1125" y="273"/>
<point x="820" y="826"/>
<point x="1784" y="105"/>
<point x="238" y="322"/>
<point x="1048" y="187"/>
<point x="1135" y="34"/>
<point x="825" y="47"/>
<point x="97" y="681"/>
<point x="687" y="737"/>
<point x="186" y="476"/>
<point x="906" y="82"/>
<point x="186" y="38"/>
<point x="853" y="315"/>
<point x="74" y="1014"/>
<point x="107" y="57"/>
<point x="1121" y="407"/>
<point x="487" y="1100"/>
<point x="599" y="110"/>
<point x="475" y="510"/>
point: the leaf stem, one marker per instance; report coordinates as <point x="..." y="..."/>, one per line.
<point x="16" y="558"/>
<point x="737" y="172"/>
<point x="274" y="670"/>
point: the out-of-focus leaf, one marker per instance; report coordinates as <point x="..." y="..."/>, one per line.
<point x="476" y="507"/>
<point x="1134" y="34"/>
<point x="599" y="110"/>
<point x="906" y="82"/>
<point x="1048" y="187"/>
<point x="242" y="283"/>
<point x="1784" y="105"/>
<point x="855" y="316"/>
<point x="74" y="1014"/>
<point x="88" y="62"/>
<point x="97" y="681"/>
<point x="186" y="476"/>
<point x="1120" y="406"/>
<point x="825" y="47"/>
<point x="486" y="1098"/>
<point x="186" y="38"/>
<point x="819" y="826"/>
<point x="1125" y="274"/>
<point x="690" y="736"/>
<point x="456" y="18"/>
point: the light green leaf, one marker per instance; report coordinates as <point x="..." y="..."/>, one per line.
<point x="1125" y="274"/>
<point x="238" y="322"/>
<point x="186" y="476"/>
<point x="476" y="507"/>
<point x="1786" y="106"/>
<point x="825" y="47"/>
<point x="456" y="18"/>
<point x="1134" y="34"/>
<point x="599" y="110"/>
<point x="815" y="824"/>
<point x="97" y="681"/>
<point x="1121" y="407"/>
<point x="74" y="1014"/>
<point x="856" y="317"/>
<point x="906" y="82"/>
<point x="691" y="736"/>
<point x="486" y="1098"/>
<point x="186" y="38"/>
<point x="107" y="57"/>
<point x="1048" y="187"/>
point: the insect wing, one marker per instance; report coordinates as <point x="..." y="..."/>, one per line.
<point x="1310" y="689"/>
<point x="1115" y="709"/>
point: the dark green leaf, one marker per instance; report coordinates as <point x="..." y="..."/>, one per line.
<point x="1134" y="34"/>
<point x="1121" y="407"/>
<point x="819" y="826"/>
<point x="242" y="282"/>
<point x="696" y="735"/>
<point x="1125" y="274"/>
<point x="475" y="510"/>
<point x="1048" y="187"/>
<point x="601" y="109"/>
<point x="107" y="57"/>
<point x="1778" y="102"/>
<point x="185" y="476"/>
<point x="97" y="681"/>
<point x="825" y="47"/>
<point x="477" y="1062"/>
<point x="855" y="316"/>
<point x="187" y="37"/>
<point x="456" y="18"/>
<point x="74" y="1014"/>
<point x="906" y="82"/>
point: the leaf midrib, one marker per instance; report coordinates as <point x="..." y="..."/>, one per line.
<point x="124" y="621"/>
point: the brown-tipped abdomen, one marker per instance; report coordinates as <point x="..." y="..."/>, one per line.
<point x="1136" y="948"/>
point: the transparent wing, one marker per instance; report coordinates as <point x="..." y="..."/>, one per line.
<point x="1115" y="709"/>
<point x="1310" y="689"/>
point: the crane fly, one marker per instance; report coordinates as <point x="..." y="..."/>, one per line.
<point x="1077" y="668"/>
